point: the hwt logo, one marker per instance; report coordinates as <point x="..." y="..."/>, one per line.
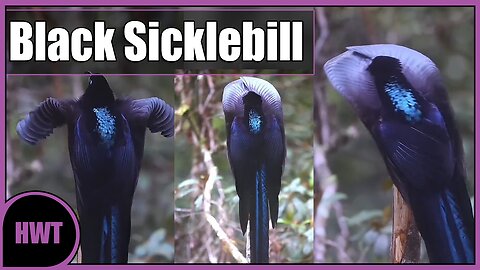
<point x="37" y="230"/>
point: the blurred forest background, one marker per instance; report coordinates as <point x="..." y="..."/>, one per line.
<point x="353" y="189"/>
<point x="46" y="166"/>
<point x="207" y="227"/>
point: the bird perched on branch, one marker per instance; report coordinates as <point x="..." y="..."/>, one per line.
<point x="256" y="151"/>
<point x="105" y="138"/>
<point x="399" y="95"/>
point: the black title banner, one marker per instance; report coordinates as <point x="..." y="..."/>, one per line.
<point x="157" y="41"/>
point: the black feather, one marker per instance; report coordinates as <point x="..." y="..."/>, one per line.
<point x="106" y="139"/>
<point x="256" y="151"/>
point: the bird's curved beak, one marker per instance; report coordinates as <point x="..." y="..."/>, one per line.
<point x="89" y="77"/>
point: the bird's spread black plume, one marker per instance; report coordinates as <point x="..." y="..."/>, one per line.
<point x="256" y="151"/>
<point x="106" y="139"/>
<point x="399" y="95"/>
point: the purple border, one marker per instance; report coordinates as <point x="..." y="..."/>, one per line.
<point x="477" y="113"/>
<point x="3" y="194"/>
<point x="162" y="74"/>
<point x="57" y="199"/>
<point x="111" y="9"/>
<point x="204" y="3"/>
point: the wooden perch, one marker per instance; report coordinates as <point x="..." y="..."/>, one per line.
<point x="406" y="239"/>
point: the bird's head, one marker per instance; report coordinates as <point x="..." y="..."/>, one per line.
<point x="252" y="101"/>
<point x="98" y="92"/>
<point x="251" y="98"/>
<point x="384" y="67"/>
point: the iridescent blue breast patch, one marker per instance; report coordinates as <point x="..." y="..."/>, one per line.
<point x="404" y="101"/>
<point x="254" y="122"/>
<point x="105" y="126"/>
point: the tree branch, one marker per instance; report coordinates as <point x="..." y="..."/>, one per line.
<point x="325" y="182"/>
<point x="406" y="239"/>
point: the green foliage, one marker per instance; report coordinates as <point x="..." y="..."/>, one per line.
<point x="296" y="208"/>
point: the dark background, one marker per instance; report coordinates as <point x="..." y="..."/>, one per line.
<point x="70" y="19"/>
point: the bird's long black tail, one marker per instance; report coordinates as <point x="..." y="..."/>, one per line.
<point x="114" y="248"/>
<point x="105" y="237"/>
<point x="259" y="221"/>
<point x="446" y="223"/>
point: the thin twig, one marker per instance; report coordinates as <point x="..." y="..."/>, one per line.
<point x="212" y="177"/>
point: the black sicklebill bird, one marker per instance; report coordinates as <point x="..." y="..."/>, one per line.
<point x="105" y="140"/>
<point x="399" y="95"/>
<point x="256" y="151"/>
